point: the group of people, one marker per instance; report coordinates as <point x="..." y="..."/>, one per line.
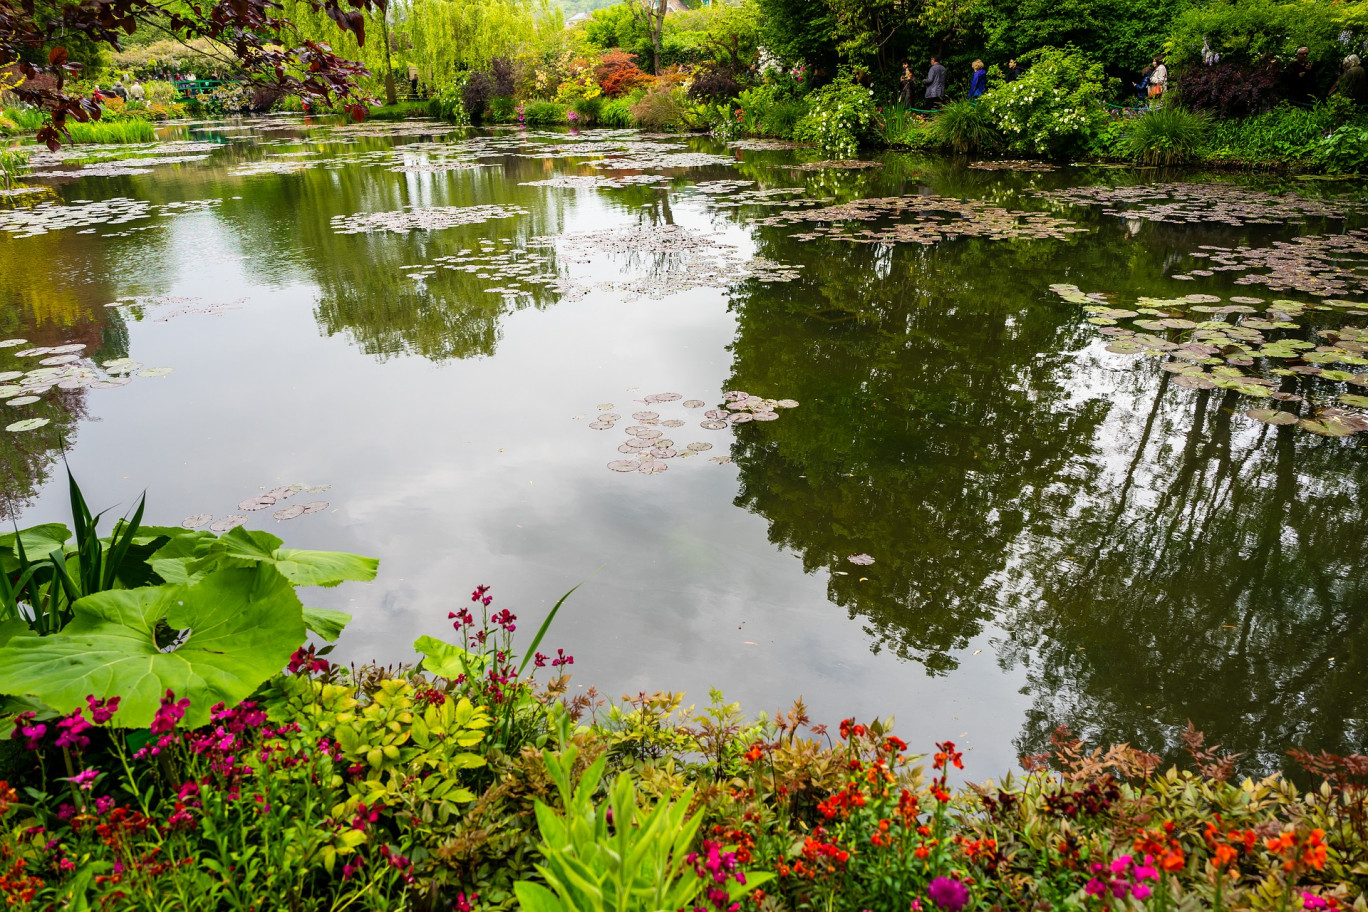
<point x="132" y="92"/>
<point x="1298" y="78"/>
<point x="933" y="86"/>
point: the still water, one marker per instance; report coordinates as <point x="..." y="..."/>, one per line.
<point x="1060" y="533"/>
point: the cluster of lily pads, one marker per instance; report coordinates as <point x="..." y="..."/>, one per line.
<point x="114" y="160"/>
<point x="680" y="258"/>
<point x="515" y="266"/>
<point x="271" y="498"/>
<point x="1027" y="166"/>
<point x="844" y="164"/>
<point x="647" y="441"/>
<point x="733" y="194"/>
<point x="39" y="219"/>
<point x="766" y="145"/>
<point x="597" y="182"/>
<point x="1203" y="203"/>
<point x="1324" y="264"/>
<point x="1250" y="349"/>
<point x="933" y="219"/>
<point x="422" y="218"/>
<point x="184" y="306"/>
<point x="62" y="367"/>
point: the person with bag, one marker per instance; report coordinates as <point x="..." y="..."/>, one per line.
<point x="979" y="84"/>
<point x="1158" y="81"/>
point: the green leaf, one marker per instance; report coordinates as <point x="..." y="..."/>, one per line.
<point x="242" y="625"/>
<point x="324" y="568"/>
<point x="11" y="629"/>
<point x="446" y="660"/>
<point x="326" y="622"/>
<point x="189" y="557"/>
<point x="37" y="541"/>
<point x="533" y="897"/>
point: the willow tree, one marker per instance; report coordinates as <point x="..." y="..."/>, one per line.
<point x="375" y="55"/>
<point x="453" y="36"/>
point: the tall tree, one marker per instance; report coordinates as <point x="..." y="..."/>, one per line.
<point x="651" y="15"/>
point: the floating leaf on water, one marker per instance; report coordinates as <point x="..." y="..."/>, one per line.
<point x="1272" y="416"/>
<point x="1177" y="323"/>
<point x="663" y="397"/>
<point x="646" y="432"/>
<point x="764" y="416"/>
<point x="672" y="423"/>
<point x="600" y="425"/>
<point x="1193" y="381"/>
<point x="624" y="465"/>
<point x="699" y="447"/>
<point x="69" y="348"/>
<point x="122" y="365"/>
<point x="1325" y="428"/>
<point x="111" y="383"/>
<point x="33" y="352"/>
<point x="1201" y="298"/>
<point x="154" y="372"/>
<point x="289" y="512"/>
<point x="199" y="519"/>
<point x="733" y="395"/>
<point x="653" y="467"/>
<point x="624" y="448"/>
<point x="719" y="460"/>
<point x="1246" y="300"/>
<point x="228" y="523"/>
<point x="12" y="343"/>
<point x="664" y="452"/>
<point x="741" y="418"/>
<point x="315" y="506"/>
<point x="716" y="413"/>
<point x="694" y="403"/>
<point x="1125" y="347"/>
<point x="23" y="400"/>
<point x="1352" y="399"/>
<point x="1285" y="397"/>
<point x="640" y="443"/>
<point x="786" y="403"/>
<point x="712" y="425"/>
<point x="28" y="424"/>
<point x="6" y="376"/>
<point x="645" y="416"/>
<point x="60" y="359"/>
<point x="75" y="383"/>
<point x="860" y="560"/>
<point x="257" y="503"/>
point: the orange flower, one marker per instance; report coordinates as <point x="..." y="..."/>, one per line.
<point x="922" y="851"/>
<point x="1225" y="855"/>
<point x="1173" y="860"/>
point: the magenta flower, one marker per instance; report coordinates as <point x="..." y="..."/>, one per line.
<point x="168" y="714"/>
<point x="85" y="780"/>
<point x="70" y="731"/>
<point x="102" y="710"/>
<point x="948" y="894"/>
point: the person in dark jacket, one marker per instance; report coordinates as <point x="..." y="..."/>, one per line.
<point x="979" y="83"/>
<point x="1012" y="73"/>
<point x="1142" y="87"/>
<point x="935" y="84"/>
<point x="1352" y="82"/>
<point x="1298" y="79"/>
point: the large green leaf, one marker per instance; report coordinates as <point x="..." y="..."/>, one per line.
<point x="326" y="622"/>
<point x="187" y="559"/>
<point x="241" y="627"/>
<point x="38" y="541"/>
<point x="448" y="661"/>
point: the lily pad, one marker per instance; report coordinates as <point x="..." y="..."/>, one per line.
<point x="860" y="560"/>
<point x="712" y="425"/>
<point x="314" y="506"/>
<point x="624" y="465"/>
<point x="786" y="403"/>
<point x="672" y="423"/>
<point x="12" y="343"/>
<point x="1351" y="399"/>
<point x="1272" y="416"/>
<point x="652" y="467"/>
<point x="693" y="403"/>
<point x="228" y="522"/>
<point x="741" y="418"/>
<point x="23" y="400"/>
<point x="199" y="519"/>
<point x="154" y="372"/>
<point x="28" y="424"/>
<point x="257" y="503"/>
<point x="764" y="416"/>
<point x="716" y="413"/>
<point x="289" y="512"/>
<point x="664" y="452"/>
<point x="699" y="447"/>
<point x="600" y="425"/>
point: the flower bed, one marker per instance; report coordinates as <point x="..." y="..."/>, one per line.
<point x="462" y="783"/>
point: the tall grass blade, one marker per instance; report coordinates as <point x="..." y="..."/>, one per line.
<point x="541" y="631"/>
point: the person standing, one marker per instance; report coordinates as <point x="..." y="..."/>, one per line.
<point x="1142" y="87"/>
<point x="1298" y="77"/>
<point x="135" y="92"/>
<point x="1352" y="83"/>
<point x="978" y="84"/>
<point x="906" y="85"/>
<point x="1158" y="80"/>
<point x="1013" y="72"/>
<point x="935" y="84"/>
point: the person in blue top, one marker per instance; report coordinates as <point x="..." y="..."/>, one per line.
<point x="979" y="84"/>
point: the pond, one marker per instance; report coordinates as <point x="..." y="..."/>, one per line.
<point x="988" y="449"/>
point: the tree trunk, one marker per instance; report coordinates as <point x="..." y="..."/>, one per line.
<point x="390" y="97"/>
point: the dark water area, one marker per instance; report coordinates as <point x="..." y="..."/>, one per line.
<point x="1060" y="533"/>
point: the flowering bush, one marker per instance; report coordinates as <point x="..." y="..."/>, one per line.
<point x="841" y="115"/>
<point x="1055" y="107"/>
<point x="617" y="73"/>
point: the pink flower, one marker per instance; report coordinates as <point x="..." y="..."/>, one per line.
<point x="70" y="731"/>
<point x="168" y="714"/>
<point x="85" y="780"/>
<point x="948" y="894"/>
<point x="102" y="710"/>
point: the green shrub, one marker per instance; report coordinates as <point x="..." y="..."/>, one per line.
<point x="616" y="112"/>
<point x="501" y="110"/>
<point x="1055" y="107"/>
<point x="965" y="128"/>
<point x="661" y="108"/>
<point x="900" y="128"/>
<point x="770" y="110"/>
<point x="447" y="104"/>
<point x="1285" y="132"/>
<point x="1165" y="136"/>
<point x="13" y="162"/>
<point x="158" y="92"/>
<point x="840" y="117"/>
<point x="25" y="120"/>
<point x="544" y="113"/>
<point x="122" y="131"/>
<point x="589" y="110"/>
<point x="1345" y="150"/>
<point x="1246" y="32"/>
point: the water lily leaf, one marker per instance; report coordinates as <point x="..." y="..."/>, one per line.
<point x="715" y="413"/>
<point x="21" y="401"/>
<point x="623" y="465"/>
<point x="1124" y="347"/>
<point x="154" y="372"/>
<point x="199" y="519"/>
<point x="652" y="467"/>
<point x="242" y="625"/>
<point x="644" y="432"/>
<point x="741" y="418"/>
<point x="786" y="403"/>
<point x="693" y="403"/>
<point x="1325" y="428"/>
<point x="12" y="343"/>
<point x="228" y="522"/>
<point x="765" y="416"/>
<point x="314" y="506"/>
<point x="327" y="623"/>
<point x="672" y="423"/>
<point x="645" y="416"/>
<point x="712" y="425"/>
<point x="1272" y="416"/>
<point x="289" y="512"/>
<point x="1351" y="399"/>
<point x="699" y="447"/>
<point x="28" y="424"/>
<point x="257" y="503"/>
<point x="860" y="560"/>
<point x="6" y="376"/>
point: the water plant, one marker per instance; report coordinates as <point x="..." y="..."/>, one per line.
<point x="119" y="131"/>
<point x="13" y="162"/>
<point x="965" y="128"/>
